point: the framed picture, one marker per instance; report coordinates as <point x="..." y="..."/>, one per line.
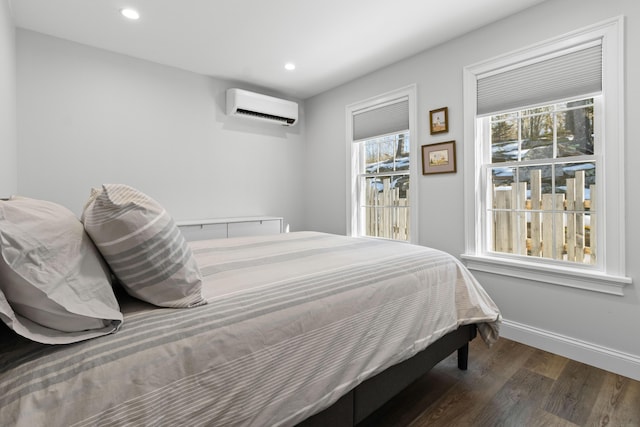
<point x="439" y="120"/>
<point x="439" y="158"/>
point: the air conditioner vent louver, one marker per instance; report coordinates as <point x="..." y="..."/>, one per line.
<point x="243" y="112"/>
<point x="242" y="103"/>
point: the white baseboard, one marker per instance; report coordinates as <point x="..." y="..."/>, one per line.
<point x="618" y="362"/>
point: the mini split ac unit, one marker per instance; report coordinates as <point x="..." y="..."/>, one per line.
<point x="242" y="103"/>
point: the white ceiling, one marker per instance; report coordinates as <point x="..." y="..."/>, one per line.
<point x="330" y="41"/>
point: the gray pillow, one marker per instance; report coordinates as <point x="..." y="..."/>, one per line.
<point x="143" y="246"/>
<point x="54" y="286"/>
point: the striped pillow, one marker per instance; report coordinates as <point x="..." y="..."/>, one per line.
<point x="143" y="246"/>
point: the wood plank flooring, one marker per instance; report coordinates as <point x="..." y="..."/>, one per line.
<point x="512" y="384"/>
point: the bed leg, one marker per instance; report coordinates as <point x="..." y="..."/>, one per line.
<point x="463" y="357"/>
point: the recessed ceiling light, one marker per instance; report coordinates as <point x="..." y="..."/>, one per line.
<point x="130" y="13"/>
<point x="290" y="66"/>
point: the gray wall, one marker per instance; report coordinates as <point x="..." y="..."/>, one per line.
<point x="8" y="139"/>
<point x="560" y="318"/>
<point x="88" y="116"/>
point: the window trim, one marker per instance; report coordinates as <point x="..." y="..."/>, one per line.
<point x="409" y="92"/>
<point x="611" y="277"/>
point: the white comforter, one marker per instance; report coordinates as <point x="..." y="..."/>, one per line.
<point x="293" y="322"/>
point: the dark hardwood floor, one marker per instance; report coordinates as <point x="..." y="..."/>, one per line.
<point x="512" y="384"/>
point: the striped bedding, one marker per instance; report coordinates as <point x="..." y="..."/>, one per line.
<point x="292" y="322"/>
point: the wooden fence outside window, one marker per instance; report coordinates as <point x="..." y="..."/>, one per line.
<point x="386" y="213"/>
<point x="560" y="226"/>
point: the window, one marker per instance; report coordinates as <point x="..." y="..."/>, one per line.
<point x="541" y="182"/>
<point x="382" y="180"/>
<point x="544" y="177"/>
<point x="381" y="166"/>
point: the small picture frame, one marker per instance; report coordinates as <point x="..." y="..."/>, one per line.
<point x="439" y="120"/>
<point x="439" y="158"/>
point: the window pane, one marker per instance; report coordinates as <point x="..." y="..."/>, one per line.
<point x="572" y="104"/>
<point x="504" y="140"/>
<point x="401" y="183"/>
<point x="578" y="186"/>
<point x="577" y="177"/>
<point x="537" y="136"/>
<point x="504" y="204"/>
<point x="506" y="116"/>
<point x="575" y="131"/>
<point x="537" y="180"/>
<point x="402" y="152"/>
<point x="387" y="151"/>
<point x="503" y="177"/>
<point x="371" y="156"/>
<point x="538" y="110"/>
<point x="386" y="207"/>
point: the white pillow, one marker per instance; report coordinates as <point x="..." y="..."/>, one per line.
<point x="54" y="286"/>
<point x="143" y="246"/>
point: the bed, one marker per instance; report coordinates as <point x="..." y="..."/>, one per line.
<point x="299" y="328"/>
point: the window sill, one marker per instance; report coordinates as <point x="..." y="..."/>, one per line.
<point x="558" y="275"/>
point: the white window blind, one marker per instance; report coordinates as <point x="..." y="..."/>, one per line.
<point x="392" y="117"/>
<point x="574" y="73"/>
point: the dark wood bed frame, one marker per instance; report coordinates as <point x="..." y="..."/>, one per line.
<point x="369" y="396"/>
